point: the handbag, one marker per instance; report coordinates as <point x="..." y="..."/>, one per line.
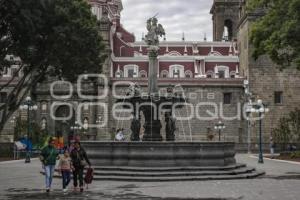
<point x="83" y="163"/>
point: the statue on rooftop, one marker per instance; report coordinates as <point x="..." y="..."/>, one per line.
<point x="155" y="31"/>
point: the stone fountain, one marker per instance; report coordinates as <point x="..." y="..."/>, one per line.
<point x="151" y="159"/>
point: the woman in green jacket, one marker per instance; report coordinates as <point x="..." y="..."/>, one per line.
<point x="49" y="155"/>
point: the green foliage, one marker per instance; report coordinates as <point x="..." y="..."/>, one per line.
<point x="294" y="117"/>
<point x="295" y="154"/>
<point x="288" y="129"/>
<point x="59" y="33"/>
<point x="277" y="33"/>
<point x="38" y="136"/>
<point x="282" y="133"/>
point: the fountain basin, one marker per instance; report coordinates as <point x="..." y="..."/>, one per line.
<point x="160" y="154"/>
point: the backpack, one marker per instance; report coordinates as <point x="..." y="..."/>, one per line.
<point x="89" y="176"/>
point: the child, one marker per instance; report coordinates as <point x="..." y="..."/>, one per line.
<point x="65" y="167"/>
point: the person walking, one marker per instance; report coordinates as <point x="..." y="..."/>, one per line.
<point x="65" y="166"/>
<point x="272" y="147"/>
<point x="79" y="161"/>
<point x="48" y="157"/>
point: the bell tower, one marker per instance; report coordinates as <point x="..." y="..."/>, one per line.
<point x="225" y="16"/>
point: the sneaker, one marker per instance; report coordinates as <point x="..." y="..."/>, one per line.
<point x="47" y="190"/>
<point x="65" y="190"/>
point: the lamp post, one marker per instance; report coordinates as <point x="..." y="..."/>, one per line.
<point x="75" y="128"/>
<point x="13" y="122"/>
<point x="219" y="126"/>
<point x="248" y="111"/>
<point x="260" y="109"/>
<point x="28" y="105"/>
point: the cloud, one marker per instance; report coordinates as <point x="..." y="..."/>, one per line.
<point x="177" y="16"/>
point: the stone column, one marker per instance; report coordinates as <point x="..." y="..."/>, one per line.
<point x="152" y="123"/>
<point x="153" y="66"/>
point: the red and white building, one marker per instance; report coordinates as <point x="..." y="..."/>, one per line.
<point x="177" y="59"/>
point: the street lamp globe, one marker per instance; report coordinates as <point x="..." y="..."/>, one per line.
<point x="259" y="102"/>
<point x="34" y="107"/>
<point x="25" y="107"/>
<point x="261" y="109"/>
<point x="28" y="98"/>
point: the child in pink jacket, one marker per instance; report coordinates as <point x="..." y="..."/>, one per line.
<point x="65" y="167"/>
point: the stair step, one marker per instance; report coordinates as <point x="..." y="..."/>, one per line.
<point x="179" y="178"/>
<point x="173" y="173"/>
<point x="168" y="169"/>
<point x="239" y="171"/>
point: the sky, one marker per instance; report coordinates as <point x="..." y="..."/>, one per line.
<point x="177" y="16"/>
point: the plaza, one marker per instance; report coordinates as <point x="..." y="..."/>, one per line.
<point x="282" y="181"/>
<point x="152" y="117"/>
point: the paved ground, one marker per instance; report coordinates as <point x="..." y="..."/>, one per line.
<point x="22" y="181"/>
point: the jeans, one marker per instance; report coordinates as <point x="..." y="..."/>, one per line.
<point x="78" y="174"/>
<point x="66" y="178"/>
<point x="49" y="171"/>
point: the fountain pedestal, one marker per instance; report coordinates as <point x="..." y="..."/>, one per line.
<point x="152" y="131"/>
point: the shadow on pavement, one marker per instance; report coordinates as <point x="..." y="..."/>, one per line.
<point x="35" y="194"/>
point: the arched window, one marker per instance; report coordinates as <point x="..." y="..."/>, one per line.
<point x="131" y="71"/>
<point x="143" y="74"/>
<point x="63" y="111"/>
<point x="176" y="71"/>
<point x="222" y="71"/>
<point x="44" y="124"/>
<point x="86" y="106"/>
<point x="214" y="53"/>
<point x="174" y="53"/>
<point x="188" y="74"/>
<point x="164" y="74"/>
<point x="96" y="10"/>
<point x="228" y="26"/>
<point x="209" y="74"/>
<point x="86" y="123"/>
<point x="232" y="74"/>
<point x="44" y="106"/>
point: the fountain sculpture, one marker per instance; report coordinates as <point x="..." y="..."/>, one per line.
<point x="152" y="159"/>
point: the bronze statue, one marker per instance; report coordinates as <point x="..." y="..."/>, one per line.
<point x="154" y="31"/>
<point x="170" y="127"/>
<point x="135" y="129"/>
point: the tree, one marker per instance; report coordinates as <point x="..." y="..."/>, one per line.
<point x="283" y="133"/>
<point x="61" y="35"/>
<point x="294" y="117"/>
<point x="277" y="33"/>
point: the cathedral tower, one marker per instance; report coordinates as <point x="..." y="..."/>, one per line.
<point x="225" y="16"/>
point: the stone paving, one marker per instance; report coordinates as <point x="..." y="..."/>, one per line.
<point x="282" y="181"/>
